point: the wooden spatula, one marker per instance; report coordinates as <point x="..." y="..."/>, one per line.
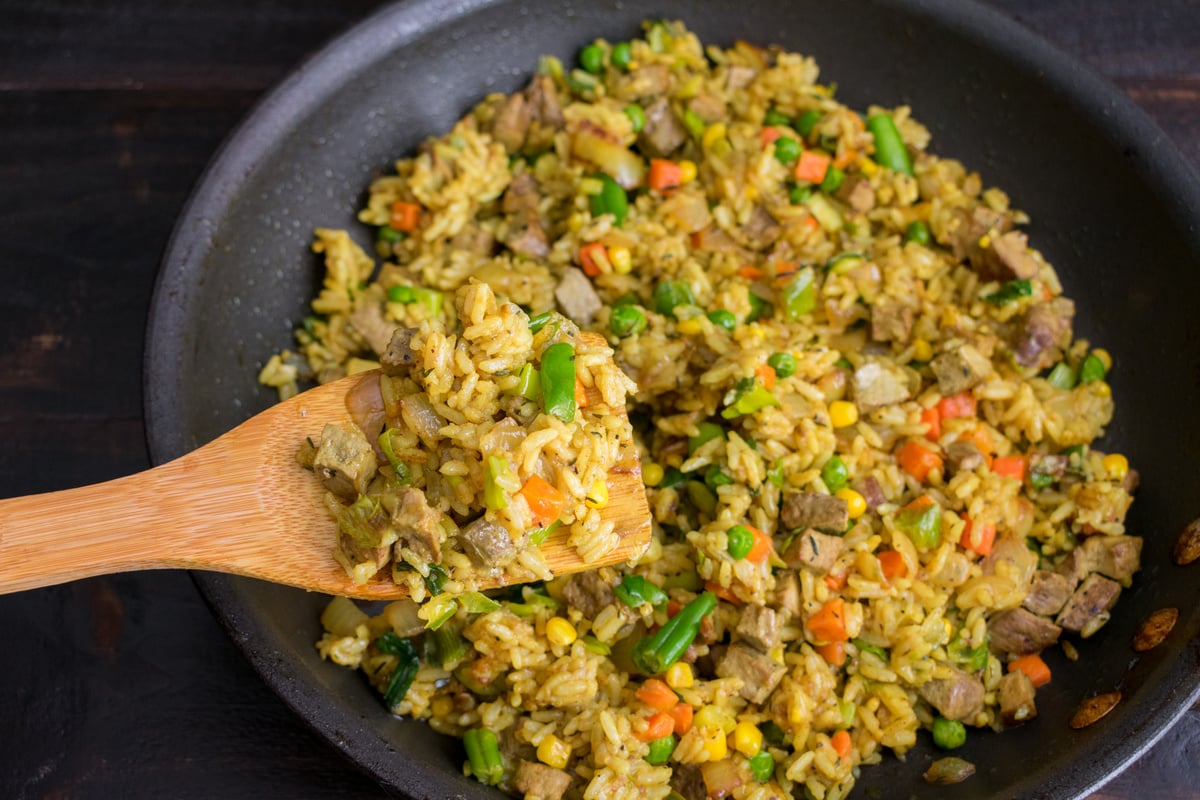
<point x="242" y="505"/>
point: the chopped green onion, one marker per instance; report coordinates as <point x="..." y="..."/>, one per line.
<point x="865" y="647"/>
<point x="407" y="664"/>
<point x="637" y="117"/>
<point x="775" y="474"/>
<point x="591" y="58"/>
<point x="621" y="55"/>
<point x="401" y="294"/>
<point x="1092" y="369"/>
<point x="672" y="479"/>
<point x="558" y="381"/>
<point x="403" y="473"/>
<point x="483" y="753"/>
<point x="847" y="710"/>
<point x="436" y="579"/>
<point x="448" y="646"/>
<point x="392" y="644"/>
<point x="653" y="654"/>
<point x="787" y="150"/>
<point x="356" y="522"/>
<point x="438" y="611"/>
<point x="538" y="321"/>
<point x="723" y="319"/>
<point x="610" y="200"/>
<point x="762" y="766"/>
<point x="529" y="383"/>
<point x="749" y="402"/>
<point x="701" y="496"/>
<point x="660" y="750"/>
<point x="478" y="603"/>
<point x="890" y="151"/>
<point x="626" y="321"/>
<point x="739" y="542"/>
<point x="843" y="263"/>
<point x="834" y="177"/>
<point x="835" y="474"/>
<point x="784" y="364"/>
<point x="948" y="734"/>
<point x="493" y="493"/>
<point x="807" y="121"/>
<point x="716" y="476"/>
<point x="707" y="431"/>
<point x="1040" y="480"/>
<point x="683" y="580"/>
<point x="1009" y="292"/>
<point x="670" y="294"/>
<point x="540" y="535"/>
<point x="917" y="231"/>
<point x="1062" y="376"/>
<point x="634" y="590"/>
<point x="595" y="646"/>
<point x="800" y="295"/>
<point x="429" y="298"/>
<point x="776" y="117"/>
<point x="694" y="123"/>
<point x="922" y="525"/>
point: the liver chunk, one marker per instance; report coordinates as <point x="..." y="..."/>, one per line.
<point x="958" y="698"/>
<point x="1043" y="330"/>
<point x="960" y="369"/>
<point x="759" y="673"/>
<point x="891" y="321"/>
<point x="814" y="510"/>
<point x="399" y="355"/>
<point x="1088" y="607"/>
<point x="814" y="550"/>
<point x="963" y="456"/>
<point x="345" y="461"/>
<point x="662" y="134"/>
<point x="418" y="526"/>
<point x="1048" y="593"/>
<point x="1020" y="632"/>
<point x="1116" y="557"/>
<point x="787" y="592"/>
<point x="487" y="543"/>
<point x="538" y="780"/>
<point x="760" y="626"/>
<point x="1016" y="695"/>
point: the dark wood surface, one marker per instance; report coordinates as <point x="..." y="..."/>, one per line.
<point x="126" y="687"/>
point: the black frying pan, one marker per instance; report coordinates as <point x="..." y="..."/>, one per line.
<point x="1114" y="207"/>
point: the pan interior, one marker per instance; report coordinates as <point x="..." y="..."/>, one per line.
<point x="1113" y="208"/>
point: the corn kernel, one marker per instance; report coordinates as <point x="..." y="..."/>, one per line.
<point x="867" y="166"/>
<point x="713" y="134"/>
<point x="922" y="350"/>
<point x="843" y="413"/>
<point x="1104" y="357"/>
<point x="442" y="707"/>
<point x="985" y="242"/>
<point x="560" y="631"/>
<point x="554" y="752"/>
<point x="357" y="365"/>
<point x="575" y="223"/>
<point x="776" y="653"/>
<point x="750" y="192"/>
<point x="747" y="739"/>
<point x="679" y="675"/>
<point x="687" y="171"/>
<point x="1116" y="466"/>
<point x="597" y="496"/>
<point x="591" y="186"/>
<point x="856" y="504"/>
<point x="711" y="716"/>
<point x="714" y="745"/>
<point x="652" y="474"/>
<point x="1102" y="389"/>
<point x="690" y="327"/>
<point x="622" y="260"/>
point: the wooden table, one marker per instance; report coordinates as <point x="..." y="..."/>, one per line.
<point x="126" y="687"/>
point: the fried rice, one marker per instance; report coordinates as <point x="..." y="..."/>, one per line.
<point x="865" y="429"/>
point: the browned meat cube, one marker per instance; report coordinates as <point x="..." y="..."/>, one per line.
<point x="487" y="543"/>
<point x="787" y="592"/>
<point x="816" y="551"/>
<point x="969" y="227"/>
<point x="651" y="80"/>
<point x="709" y="107"/>
<point x="418" y="526"/>
<point x="1116" y="557"/>
<point x="1043" y="331"/>
<point x="543" y="101"/>
<point x="891" y="320"/>
<point x="960" y="369"/>
<point x="1087" y="610"/>
<point x="871" y="491"/>
<point x="958" y="698"/>
<point x="588" y="592"/>
<point x="877" y="384"/>
<point x="528" y="240"/>
<point x="345" y="461"/>
<point x="536" y="780"/>
<point x="663" y="133"/>
<point x="687" y="782"/>
<point x="369" y="322"/>
<point x="761" y="229"/>
<point x="1131" y="481"/>
<point x="522" y="195"/>
<point x="760" y="674"/>
<point x="1020" y="632"/>
<point x="1048" y="593"/>
<point x="399" y="357"/>
<point x="814" y="510"/>
<point x="1006" y="258"/>
<point x="963" y="456"/>
<point x="1017" y="698"/>
<point x="511" y="122"/>
<point x="858" y="194"/>
<point x="576" y="298"/>
<point x="760" y="626"/>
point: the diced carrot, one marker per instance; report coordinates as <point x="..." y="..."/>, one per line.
<point x="836" y="580"/>
<point x="657" y="726"/>
<point x="665" y="176"/>
<point x="842" y="744"/>
<point x="673" y="607"/>
<point x="767" y="136"/>
<point x="829" y="623"/>
<point x="812" y="166"/>
<point x="845" y="159"/>
<point x="657" y="694"/>
<point x="834" y="653"/>
<point x="811" y="222"/>
<point x="405" y="216"/>
<point x="1034" y="667"/>
<point x="750" y="273"/>
<point x="762" y="545"/>
<point x="892" y="565"/>
<point x="723" y="592"/>
<point x="1010" y="467"/>
<point x="918" y="460"/>
<point x="932" y="418"/>
<point x="694" y="239"/>
<point x="979" y="536"/>
<point x="591" y="256"/>
<point x="958" y="405"/>
<point x="766" y="373"/>
<point x="980" y="438"/>
<point x="918" y="505"/>
<point x="682" y="714"/>
<point x="546" y="502"/>
<point x="581" y="397"/>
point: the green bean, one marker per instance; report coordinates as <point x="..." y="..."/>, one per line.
<point x="701" y="496"/>
<point x="558" y="381"/>
<point x="889" y="147"/>
<point x="610" y="200"/>
<point x="430" y="298"/>
<point x="655" y="653"/>
<point x="634" y="590"/>
<point x="759" y="308"/>
<point x="400" y="294"/>
<point x="389" y="234"/>
<point x="750" y="401"/>
<point x="494" y="496"/>
<point x="807" y="121"/>
<point x="637" y="117"/>
<point x="538" y="321"/>
<point x="694" y="123"/>
<point x="529" y="383"/>
<point x="799" y="194"/>
<point x="833" y="180"/>
<point x="716" y="476"/>
<point x="483" y="752"/>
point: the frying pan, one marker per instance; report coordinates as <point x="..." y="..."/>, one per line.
<point x="1114" y="207"/>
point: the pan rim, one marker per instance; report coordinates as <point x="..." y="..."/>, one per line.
<point x="1091" y="96"/>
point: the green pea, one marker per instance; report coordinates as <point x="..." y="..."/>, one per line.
<point x="762" y="766"/>
<point x="591" y="58"/>
<point x="626" y="321"/>
<point x="637" y="117"/>
<point x="784" y="364"/>
<point x="723" y="319"/>
<point x="401" y="294"/>
<point x="948" y="734"/>
<point x="660" y="750"/>
<point x="389" y="234"/>
<point x="740" y="542"/>
<point x="787" y="150"/>
<point x="917" y="231"/>
<point x="807" y="121"/>
<point x="1092" y="369"/>
<point x="834" y="473"/>
<point x="621" y="55"/>
<point x="834" y="178"/>
<point x="776" y="117"/>
<point x="669" y="294"/>
<point x="799" y="194"/>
